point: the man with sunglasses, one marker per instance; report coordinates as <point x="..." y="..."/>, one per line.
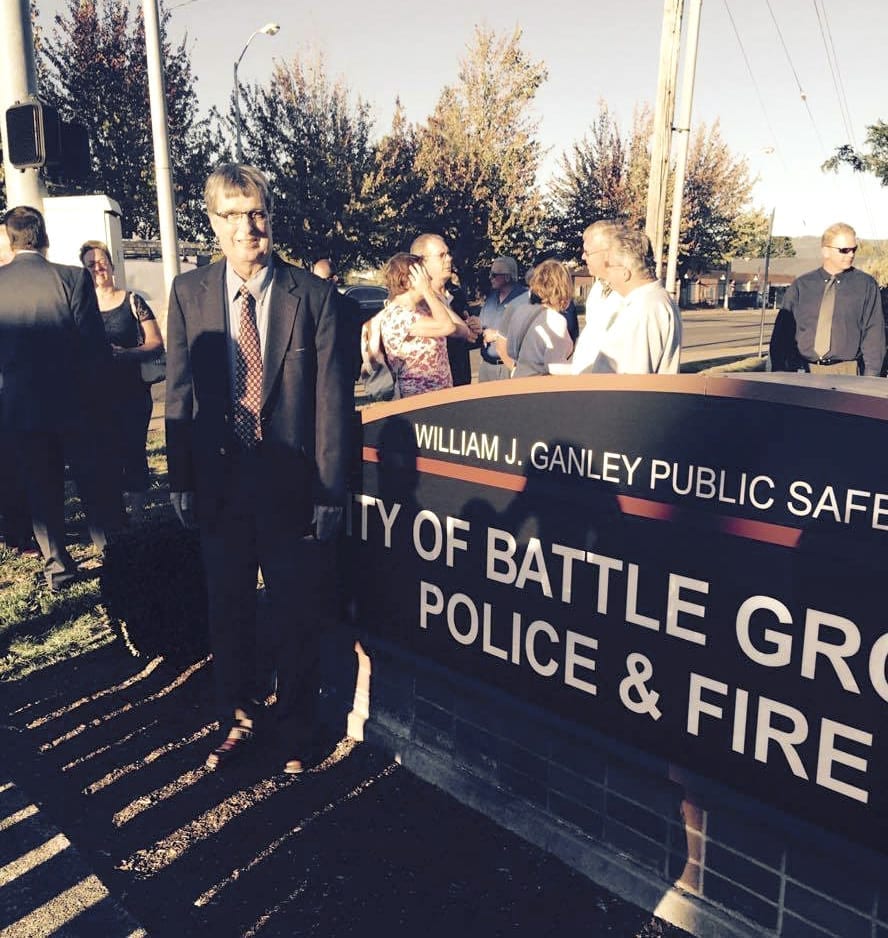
<point x="258" y="409"/>
<point x="831" y="318"/>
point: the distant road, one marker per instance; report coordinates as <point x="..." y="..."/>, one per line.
<point x="718" y="333"/>
<point x="712" y="333"/>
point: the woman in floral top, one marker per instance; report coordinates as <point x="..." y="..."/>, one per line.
<point x="415" y="325"/>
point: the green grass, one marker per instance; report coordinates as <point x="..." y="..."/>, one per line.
<point x="39" y="628"/>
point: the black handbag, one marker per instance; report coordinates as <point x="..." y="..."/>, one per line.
<point x="153" y="369"/>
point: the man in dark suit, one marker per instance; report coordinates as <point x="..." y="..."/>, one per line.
<point x="258" y="409"/>
<point x="17" y="533"/>
<point x="53" y="359"/>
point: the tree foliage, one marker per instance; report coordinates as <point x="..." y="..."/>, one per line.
<point x="394" y="191"/>
<point x="92" y="66"/>
<point x="875" y="161"/>
<point x="478" y="154"/>
<point x="873" y="258"/>
<point x="605" y="175"/>
<point x="314" y="143"/>
<point x="718" y="189"/>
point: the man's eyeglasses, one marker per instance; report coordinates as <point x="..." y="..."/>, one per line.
<point x="498" y="273"/>
<point x="257" y="217"/>
<point x="850" y="250"/>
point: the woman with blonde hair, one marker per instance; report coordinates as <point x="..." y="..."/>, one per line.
<point x="415" y="324"/>
<point x="135" y="337"/>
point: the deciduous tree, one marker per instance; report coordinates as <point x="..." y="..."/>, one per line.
<point x="875" y="161"/>
<point x="394" y="193"/>
<point x="606" y="175"/>
<point x="479" y="155"/>
<point x="603" y="175"/>
<point x="313" y="140"/>
<point x="92" y="66"/>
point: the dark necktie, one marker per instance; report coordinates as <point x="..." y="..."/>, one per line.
<point x="825" y="318"/>
<point x="247" y="374"/>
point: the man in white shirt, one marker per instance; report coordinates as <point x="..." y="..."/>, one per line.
<point x="639" y="332"/>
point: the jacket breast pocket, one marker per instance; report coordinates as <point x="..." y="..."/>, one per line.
<point x="294" y="354"/>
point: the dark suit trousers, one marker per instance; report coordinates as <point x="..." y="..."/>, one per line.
<point x="13" y="497"/>
<point x="246" y="533"/>
<point x="43" y="456"/>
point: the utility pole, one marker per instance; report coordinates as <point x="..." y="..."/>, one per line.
<point x="166" y="207"/>
<point x="766" y="290"/>
<point x="664" y="113"/>
<point x="19" y="85"/>
<point x="683" y="129"/>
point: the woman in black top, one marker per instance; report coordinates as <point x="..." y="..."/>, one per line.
<point x="135" y="337"/>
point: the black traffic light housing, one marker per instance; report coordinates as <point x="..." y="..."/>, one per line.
<point x="37" y="137"/>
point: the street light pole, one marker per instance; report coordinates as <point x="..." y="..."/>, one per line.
<point x="766" y="290"/>
<point x="166" y="204"/>
<point x="269" y="29"/>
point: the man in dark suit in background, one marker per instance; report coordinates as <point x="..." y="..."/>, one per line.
<point x="17" y="534"/>
<point x="53" y="360"/>
<point x="258" y="409"/>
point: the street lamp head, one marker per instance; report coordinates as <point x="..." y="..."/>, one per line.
<point x="269" y="29"/>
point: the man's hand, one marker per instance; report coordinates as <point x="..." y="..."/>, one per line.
<point x="328" y="521"/>
<point x="183" y="505"/>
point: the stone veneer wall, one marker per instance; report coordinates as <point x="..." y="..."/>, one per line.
<point x="697" y="854"/>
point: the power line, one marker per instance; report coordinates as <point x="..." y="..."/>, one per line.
<point x="802" y="93"/>
<point x="755" y="85"/>
<point x="839" y="86"/>
<point x="832" y="59"/>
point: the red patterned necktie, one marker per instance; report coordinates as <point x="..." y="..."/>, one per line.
<point x="247" y="374"/>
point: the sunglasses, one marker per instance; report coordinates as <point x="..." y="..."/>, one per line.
<point x="850" y="250"/>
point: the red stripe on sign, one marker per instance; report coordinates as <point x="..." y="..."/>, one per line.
<point x="781" y="535"/>
<point x="452" y="470"/>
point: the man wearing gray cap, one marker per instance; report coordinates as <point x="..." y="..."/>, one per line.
<point x="503" y="280"/>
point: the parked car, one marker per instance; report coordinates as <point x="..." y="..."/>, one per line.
<point x="369" y="297"/>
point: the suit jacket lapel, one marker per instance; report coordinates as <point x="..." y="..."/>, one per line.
<point x="284" y="303"/>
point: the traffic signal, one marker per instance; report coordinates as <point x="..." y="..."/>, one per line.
<point x="33" y="135"/>
<point x="37" y="137"/>
<point x="75" y="163"/>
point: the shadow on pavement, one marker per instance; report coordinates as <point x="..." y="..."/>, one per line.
<point x="111" y="748"/>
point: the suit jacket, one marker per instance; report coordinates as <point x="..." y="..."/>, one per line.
<point x="307" y="393"/>
<point x="54" y="356"/>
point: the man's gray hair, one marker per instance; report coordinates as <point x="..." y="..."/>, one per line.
<point x="420" y="245"/>
<point x="237" y="179"/>
<point x="631" y="248"/>
<point x="604" y="228"/>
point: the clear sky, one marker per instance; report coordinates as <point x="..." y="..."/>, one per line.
<point x="784" y="94"/>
